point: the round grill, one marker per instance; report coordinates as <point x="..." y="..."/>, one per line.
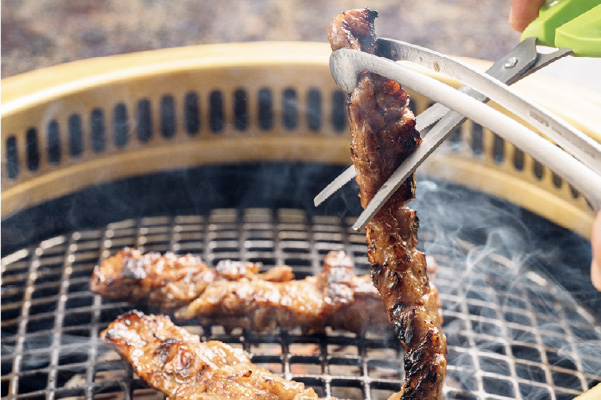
<point x="507" y="337"/>
<point x="217" y="151"/>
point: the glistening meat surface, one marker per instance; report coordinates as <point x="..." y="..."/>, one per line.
<point x="383" y="135"/>
<point x="170" y="359"/>
<point x="235" y="294"/>
<point x="169" y="281"/>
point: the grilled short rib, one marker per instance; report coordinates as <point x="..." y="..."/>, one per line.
<point x="176" y="362"/>
<point x="383" y="135"/>
<point x="235" y="294"/>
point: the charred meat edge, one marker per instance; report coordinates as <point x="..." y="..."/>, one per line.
<point x="383" y="134"/>
<point x="176" y="362"/>
<point x="235" y="294"/>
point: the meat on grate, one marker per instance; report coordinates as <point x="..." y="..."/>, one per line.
<point x="235" y="294"/>
<point x="170" y="359"/>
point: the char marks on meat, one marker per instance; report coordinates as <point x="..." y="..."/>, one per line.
<point x="383" y="135"/>
<point x="170" y="359"/>
<point x="168" y="281"/>
<point x="235" y="294"/>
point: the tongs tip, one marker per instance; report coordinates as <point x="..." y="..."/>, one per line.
<point x="344" y="69"/>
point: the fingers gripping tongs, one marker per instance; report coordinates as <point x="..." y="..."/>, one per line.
<point x="579" y="164"/>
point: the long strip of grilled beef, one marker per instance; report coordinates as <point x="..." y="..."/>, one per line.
<point x="383" y="135"/>
<point x="176" y="362"/>
<point x="235" y="294"/>
<point x="169" y="281"/>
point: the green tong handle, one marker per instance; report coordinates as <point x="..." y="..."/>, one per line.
<point x="572" y="24"/>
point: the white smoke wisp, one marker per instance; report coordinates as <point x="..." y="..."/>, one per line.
<point x="501" y="281"/>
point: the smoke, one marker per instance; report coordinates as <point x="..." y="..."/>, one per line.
<point x="502" y="285"/>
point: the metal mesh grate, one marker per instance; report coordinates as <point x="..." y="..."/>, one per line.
<point x="507" y="337"/>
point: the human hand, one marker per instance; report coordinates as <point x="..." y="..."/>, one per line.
<point x="523" y="12"/>
<point x="596" y="263"/>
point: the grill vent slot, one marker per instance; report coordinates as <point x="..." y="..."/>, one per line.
<point x="290" y="111"/>
<point x="216" y="115"/>
<point x="339" y="111"/>
<point x="192" y="113"/>
<point x="120" y="125"/>
<point x="314" y="109"/>
<point x="75" y="136"/>
<point x="538" y="170"/>
<point x="477" y="140"/>
<point x="33" y="152"/>
<point x="455" y="139"/>
<point x="144" y="119"/>
<point x="12" y="157"/>
<point x="498" y="149"/>
<point x="54" y="142"/>
<point x="168" y="117"/>
<point x="518" y="159"/>
<point x="240" y="110"/>
<point x="265" y="109"/>
<point x="98" y="130"/>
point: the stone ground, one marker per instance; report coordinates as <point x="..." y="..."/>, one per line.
<point x="41" y="33"/>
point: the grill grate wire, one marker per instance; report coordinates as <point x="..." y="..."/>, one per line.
<point x="507" y="338"/>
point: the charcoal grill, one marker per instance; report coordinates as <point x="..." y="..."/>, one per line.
<point x="196" y="150"/>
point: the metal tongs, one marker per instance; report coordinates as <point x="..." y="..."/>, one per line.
<point x="579" y="164"/>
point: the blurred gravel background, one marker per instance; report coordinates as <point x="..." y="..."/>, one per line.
<point x="41" y="33"/>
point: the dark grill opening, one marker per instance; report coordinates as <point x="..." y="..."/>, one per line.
<point x="512" y="330"/>
<point x="97" y="126"/>
<point x="144" y="120"/>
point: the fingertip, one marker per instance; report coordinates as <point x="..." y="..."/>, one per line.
<point x="596" y="247"/>
<point x="518" y="24"/>
<point x="523" y="12"/>
<point x="596" y="274"/>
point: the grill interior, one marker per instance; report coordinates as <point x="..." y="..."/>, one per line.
<point x="512" y="331"/>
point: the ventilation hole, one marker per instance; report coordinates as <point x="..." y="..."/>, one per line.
<point x="75" y="135"/>
<point x="476" y="139"/>
<point x="33" y="152"/>
<point x="216" y="117"/>
<point x="314" y="109"/>
<point x="97" y="127"/>
<point x="518" y="159"/>
<point x="144" y="121"/>
<point x="339" y="110"/>
<point x="168" y="116"/>
<point x="54" y="143"/>
<point x="192" y="113"/>
<point x="498" y="149"/>
<point x="240" y="110"/>
<point x="538" y="169"/>
<point x="12" y="157"/>
<point x="120" y="127"/>
<point x="455" y="140"/>
<point x="265" y="109"/>
<point x="574" y="192"/>
<point x="557" y="181"/>
<point x="290" y="109"/>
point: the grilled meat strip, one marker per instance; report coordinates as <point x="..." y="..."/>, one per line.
<point x="169" y="281"/>
<point x="170" y="359"/>
<point x="235" y="294"/>
<point x="335" y="297"/>
<point x="383" y="135"/>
